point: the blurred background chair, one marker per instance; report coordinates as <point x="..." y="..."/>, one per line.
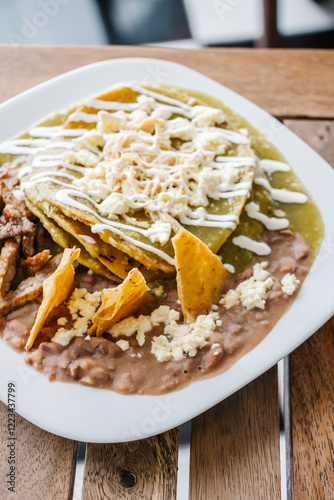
<point x="185" y="23"/>
<point x="150" y="21"/>
<point x="255" y="21"/>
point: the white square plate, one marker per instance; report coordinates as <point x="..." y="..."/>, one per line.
<point x="97" y="415"/>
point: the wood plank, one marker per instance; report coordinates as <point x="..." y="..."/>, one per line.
<point x="319" y="134"/>
<point x="285" y="83"/>
<point x="135" y="470"/>
<point x="44" y="463"/>
<point x="235" y="445"/>
<point x="312" y="375"/>
<point x="312" y="404"/>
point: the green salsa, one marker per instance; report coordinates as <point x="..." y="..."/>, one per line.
<point x="304" y="218"/>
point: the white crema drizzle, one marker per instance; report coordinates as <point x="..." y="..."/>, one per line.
<point x="128" y="164"/>
<point x="257" y="247"/>
<point x="282" y="195"/>
<point x="271" y="223"/>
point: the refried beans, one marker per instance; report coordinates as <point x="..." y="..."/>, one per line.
<point x="100" y="362"/>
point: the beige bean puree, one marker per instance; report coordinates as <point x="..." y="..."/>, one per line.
<point x="100" y="362"/>
<point x="120" y="177"/>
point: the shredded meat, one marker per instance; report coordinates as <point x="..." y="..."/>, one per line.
<point x="18" y="225"/>
<point x="42" y="238"/>
<point x="8" y="182"/>
<point x="8" y="258"/>
<point x="19" y="265"/>
<point x="11" y="230"/>
<point x="29" y="289"/>
<point x="34" y="264"/>
<point x="28" y="245"/>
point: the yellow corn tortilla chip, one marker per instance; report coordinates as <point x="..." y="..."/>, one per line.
<point x="200" y="275"/>
<point x="56" y="290"/>
<point x="44" y="195"/>
<point x="119" y="302"/>
<point x="66" y="240"/>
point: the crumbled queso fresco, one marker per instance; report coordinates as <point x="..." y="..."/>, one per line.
<point x="178" y="339"/>
<point x="289" y="284"/>
<point x="82" y="306"/>
<point x="250" y="292"/>
<point x="185" y="339"/>
<point x="123" y="344"/>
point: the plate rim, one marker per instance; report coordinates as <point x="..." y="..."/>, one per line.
<point x="160" y="413"/>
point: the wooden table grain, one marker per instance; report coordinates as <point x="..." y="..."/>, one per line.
<point x="235" y="442"/>
<point x="235" y="445"/>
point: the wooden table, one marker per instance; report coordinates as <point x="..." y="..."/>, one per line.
<point x="235" y="450"/>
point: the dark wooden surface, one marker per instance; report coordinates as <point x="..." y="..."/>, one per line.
<point x="235" y="445"/>
<point x="312" y="404"/>
<point x="295" y="83"/>
<point x="235" y="451"/>
<point x="45" y="463"/>
<point x="312" y="372"/>
<point x="136" y="470"/>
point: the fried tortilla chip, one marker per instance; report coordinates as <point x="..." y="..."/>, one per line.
<point x="119" y="302"/>
<point x="65" y="240"/>
<point x="44" y="196"/>
<point x="56" y="290"/>
<point x="117" y="262"/>
<point x="135" y="244"/>
<point x="200" y="275"/>
<point x="215" y="237"/>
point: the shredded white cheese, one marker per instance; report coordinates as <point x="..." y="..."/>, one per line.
<point x="143" y="324"/>
<point x="158" y="291"/>
<point x="250" y="292"/>
<point x="182" y="339"/>
<point x="177" y="341"/>
<point x="289" y="284"/>
<point x="82" y="306"/>
<point x="164" y="314"/>
<point x="132" y="165"/>
<point x="159" y="232"/>
<point x="123" y="344"/>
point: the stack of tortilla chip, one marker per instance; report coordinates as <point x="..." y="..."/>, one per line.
<point x="107" y="253"/>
